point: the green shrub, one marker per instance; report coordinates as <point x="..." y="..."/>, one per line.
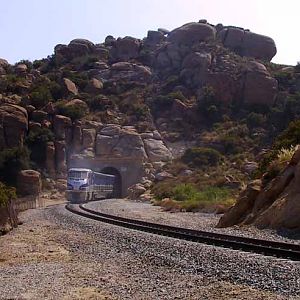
<point x="6" y="194"/>
<point x="187" y="197"/>
<point x="40" y="96"/>
<point x="289" y="137"/>
<point x="209" y="106"/>
<point x="74" y="112"/>
<point x="26" y="62"/>
<point x="231" y="144"/>
<point x="12" y="161"/>
<point x="99" y="103"/>
<point x="37" y="143"/>
<point x="256" y="120"/>
<point x="184" y="192"/>
<point x="199" y="157"/>
<point x="11" y="83"/>
<point x="80" y="79"/>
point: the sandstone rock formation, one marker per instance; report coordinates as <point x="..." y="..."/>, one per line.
<point x="273" y="206"/>
<point x="13" y="125"/>
<point x="29" y="182"/>
<point x="115" y="141"/>
<point x="259" y="86"/>
<point x="62" y="127"/>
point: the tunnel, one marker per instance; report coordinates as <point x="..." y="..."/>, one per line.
<point x="117" y="193"/>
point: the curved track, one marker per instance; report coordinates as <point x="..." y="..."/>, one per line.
<point x="265" y="247"/>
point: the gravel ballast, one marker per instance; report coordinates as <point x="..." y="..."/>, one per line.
<point x="58" y="255"/>
<point x="197" y="220"/>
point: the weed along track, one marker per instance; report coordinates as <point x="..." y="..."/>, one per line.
<point x="260" y="246"/>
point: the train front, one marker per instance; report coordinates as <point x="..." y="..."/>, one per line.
<point x="78" y="185"/>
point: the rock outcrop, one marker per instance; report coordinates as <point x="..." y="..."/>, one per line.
<point x="29" y="182"/>
<point x="259" y="86"/>
<point x="246" y="43"/>
<point x="125" y="48"/>
<point x="13" y="125"/>
<point x="273" y="206"/>
<point x="191" y="33"/>
<point x="115" y="141"/>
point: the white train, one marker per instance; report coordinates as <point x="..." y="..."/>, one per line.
<point x="84" y="185"/>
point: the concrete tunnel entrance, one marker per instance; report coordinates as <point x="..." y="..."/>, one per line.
<point x="117" y="193"/>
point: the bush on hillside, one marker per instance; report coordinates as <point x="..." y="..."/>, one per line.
<point x="256" y="120"/>
<point x="37" y="143"/>
<point x="188" y="198"/>
<point x="201" y="157"/>
<point x="74" y="112"/>
<point x="231" y="144"/>
<point x="164" y="102"/>
<point x="209" y="106"/>
<point x="289" y="137"/>
<point x="12" y="161"/>
<point x="40" y="96"/>
<point x="6" y="194"/>
<point x="26" y="62"/>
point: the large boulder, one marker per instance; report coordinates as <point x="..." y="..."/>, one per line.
<point x="13" y="125"/>
<point x="70" y="87"/>
<point x="259" y="86"/>
<point x="29" y="182"/>
<point x="246" y="43"/>
<point x="76" y="48"/>
<point x="125" y="48"/>
<point x="191" y="33"/>
<point x="88" y="138"/>
<point x="115" y="141"/>
<point x="77" y="103"/>
<point x="154" y="38"/>
<point x="94" y="86"/>
<point x="195" y="67"/>
<point x="121" y="71"/>
<point x="157" y="151"/>
<point x="135" y="191"/>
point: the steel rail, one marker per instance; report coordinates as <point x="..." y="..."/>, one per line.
<point x="265" y="247"/>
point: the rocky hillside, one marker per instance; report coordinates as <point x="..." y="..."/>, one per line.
<point x="273" y="205"/>
<point x="173" y="100"/>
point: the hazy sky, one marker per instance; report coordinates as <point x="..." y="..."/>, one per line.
<point x="29" y="29"/>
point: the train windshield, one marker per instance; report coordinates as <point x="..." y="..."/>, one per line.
<point x="78" y="174"/>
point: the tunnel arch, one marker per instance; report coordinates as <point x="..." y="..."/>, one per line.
<point x="118" y="180"/>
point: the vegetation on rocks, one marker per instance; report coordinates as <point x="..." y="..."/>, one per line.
<point x="11" y="162"/>
<point x="186" y="197"/>
<point x="37" y="143"/>
<point x="201" y="157"/>
<point x="6" y="194"/>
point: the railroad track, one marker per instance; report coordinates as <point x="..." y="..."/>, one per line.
<point x="265" y="247"/>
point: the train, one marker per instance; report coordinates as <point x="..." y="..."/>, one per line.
<point x="85" y="185"/>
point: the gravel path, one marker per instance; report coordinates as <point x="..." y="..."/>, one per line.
<point x="199" y="221"/>
<point x="58" y="255"/>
